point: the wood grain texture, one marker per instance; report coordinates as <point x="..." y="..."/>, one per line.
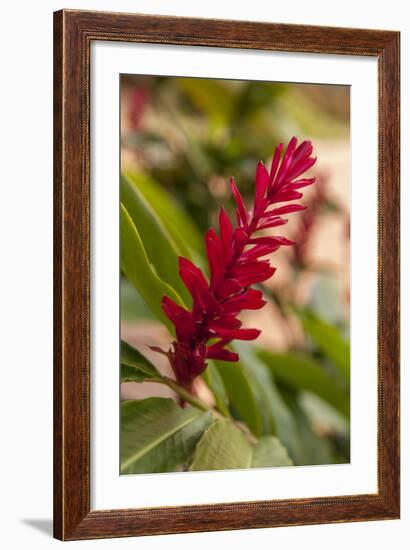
<point x="73" y="32"/>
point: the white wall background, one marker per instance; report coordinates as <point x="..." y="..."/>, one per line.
<point x="26" y="270"/>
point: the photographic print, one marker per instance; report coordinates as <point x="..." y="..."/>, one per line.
<point x="235" y="274"/>
<point x="226" y="275"/>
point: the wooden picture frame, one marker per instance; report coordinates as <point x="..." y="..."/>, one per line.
<point x="74" y="32"/>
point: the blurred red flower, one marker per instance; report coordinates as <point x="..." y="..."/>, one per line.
<point x="140" y="98"/>
<point x="309" y="218"/>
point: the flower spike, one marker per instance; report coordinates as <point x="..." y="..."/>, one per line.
<point x="235" y="258"/>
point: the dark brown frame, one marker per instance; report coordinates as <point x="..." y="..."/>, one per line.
<point x="73" y="33"/>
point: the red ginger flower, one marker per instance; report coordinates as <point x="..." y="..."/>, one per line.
<point x="235" y="264"/>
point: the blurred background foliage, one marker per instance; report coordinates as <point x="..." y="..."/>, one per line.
<point x="181" y="141"/>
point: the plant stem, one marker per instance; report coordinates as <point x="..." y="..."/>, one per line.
<point x="184" y="394"/>
<point x="199" y="404"/>
<point x="189" y="398"/>
<point x="244" y="428"/>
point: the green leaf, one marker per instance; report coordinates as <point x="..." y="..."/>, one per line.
<point x="329" y="340"/>
<point x="180" y="226"/>
<point x="277" y="418"/>
<point x="159" y="246"/>
<point x="302" y="372"/>
<point x="323" y="415"/>
<point x="269" y="452"/>
<point x="241" y="393"/>
<point x="222" y="447"/>
<point x="286" y="427"/>
<point x="137" y="269"/>
<point x="159" y="436"/>
<point x="324" y="299"/>
<point x="259" y="380"/>
<point x="316" y="449"/>
<point x="135" y="367"/>
<point x="282" y="414"/>
<point x="133" y="307"/>
<point x="214" y="381"/>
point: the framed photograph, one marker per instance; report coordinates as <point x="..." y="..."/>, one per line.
<point x="226" y="275"/>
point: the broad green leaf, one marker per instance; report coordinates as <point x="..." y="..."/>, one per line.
<point x="135" y="367"/>
<point x="330" y="422"/>
<point x="322" y="414"/>
<point x="269" y="451"/>
<point x="181" y="227"/>
<point x="133" y="307"/>
<point x="136" y="267"/>
<point x="302" y="372"/>
<point x="242" y="394"/>
<point x="222" y="447"/>
<point x="277" y="418"/>
<point x="159" y="246"/>
<point x="215" y="383"/>
<point x="316" y="449"/>
<point x="286" y="427"/>
<point x="159" y="436"/>
<point x="324" y="299"/>
<point x="287" y="420"/>
<point x="329" y="340"/>
<point x="259" y="381"/>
